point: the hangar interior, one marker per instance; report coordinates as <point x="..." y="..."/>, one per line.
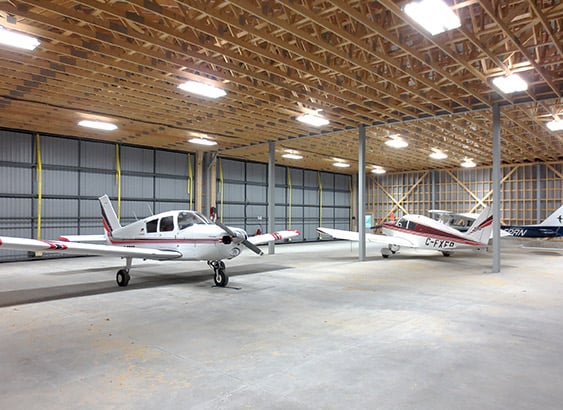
<point x="307" y="326"/>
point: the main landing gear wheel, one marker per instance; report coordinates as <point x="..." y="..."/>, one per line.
<point x="446" y="253"/>
<point x="220" y="276"/>
<point x="122" y="278"/>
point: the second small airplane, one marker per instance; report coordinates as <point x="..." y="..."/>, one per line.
<point x="421" y="232"/>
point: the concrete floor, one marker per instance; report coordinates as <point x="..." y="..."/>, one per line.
<point x="307" y="328"/>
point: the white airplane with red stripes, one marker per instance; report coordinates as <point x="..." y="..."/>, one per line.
<point x="171" y="235"/>
<point x="421" y="232"/>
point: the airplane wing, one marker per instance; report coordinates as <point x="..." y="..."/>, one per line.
<point x="370" y="237"/>
<point x="275" y="236"/>
<point x="84" y="238"/>
<point x="24" y="244"/>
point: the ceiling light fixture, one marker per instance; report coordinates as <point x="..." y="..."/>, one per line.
<point x="99" y="125"/>
<point x="555" y="125"/>
<point x="510" y="84"/>
<point x="341" y="164"/>
<point x="378" y="170"/>
<point x="202" y="141"/>
<point x="312" y="119"/>
<point x="396" y="141"/>
<point x="292" y="155"/>
<point x="434" y="16"/>
<point x="438" y="154"/>
<point x="17" y="39"/>
<point x="205" y="90"/>
<point x="468" y="163"/>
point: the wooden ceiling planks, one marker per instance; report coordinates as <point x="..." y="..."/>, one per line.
<point x="360" y="62"/>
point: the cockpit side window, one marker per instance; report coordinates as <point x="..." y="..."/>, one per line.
<point x="186" y="219"/>
<point x="166" y="224"/>
<point x="151" y="225"/>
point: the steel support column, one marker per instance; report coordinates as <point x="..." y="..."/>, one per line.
<point x="361" y="192"/>
<point x="496" y="188"/>
<point x="271" y="193"/>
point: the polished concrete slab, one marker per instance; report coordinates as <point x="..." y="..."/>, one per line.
<point x="307" y="328"/>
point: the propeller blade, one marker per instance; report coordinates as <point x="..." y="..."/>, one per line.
<point x="252" y="247"/>
<point x="245" y="241"/>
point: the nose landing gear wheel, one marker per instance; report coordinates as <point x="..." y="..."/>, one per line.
<point x="220" y="278"/>
<point x="122" y="278"/>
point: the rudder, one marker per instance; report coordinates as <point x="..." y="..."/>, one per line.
<point x="111" y="223"/>
<point x="555" y="219"/>
<point x="480" y="230"/>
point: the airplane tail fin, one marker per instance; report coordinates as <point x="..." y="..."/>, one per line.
<point x="555" y="219"/>
<point x="480" y="230"/>
<point x="111" y="223"/>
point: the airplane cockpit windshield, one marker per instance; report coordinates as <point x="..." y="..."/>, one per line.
<point x="187" y="219"/>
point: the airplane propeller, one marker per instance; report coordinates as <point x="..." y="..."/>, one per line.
<point x="245" y="241"/>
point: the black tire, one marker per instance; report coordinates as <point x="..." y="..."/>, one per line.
<point x="122" y="278"/>
<point x="385" y="256"/>
<point x="220" y="278"/>
<point x="446" y="253"/>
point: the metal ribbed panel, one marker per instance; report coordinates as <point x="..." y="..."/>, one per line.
<point x="16" y="147"/>
<point x="59" y="151"/>
<point x="97" y="155"/>
<point x="16" y="180"/>
<point x="171" y="163"/>
<point x="137" y="159"/>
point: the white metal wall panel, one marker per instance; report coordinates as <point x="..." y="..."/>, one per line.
<point x="16" y="147"/>
<point x="59" y="151"/>
<point x="233" y="170"/>
<point x="256" y="172"/>
<point x="310" y="179"/>
<point x="137" y="159"/>
<point x="16" y="180"/>
<point x="256" y="193"/>
<point x="98" y="184"/>
<point x="168" y="188"/>
<point x="97" y="155"/>
<point x="134" y="186"/>
<point x="59" y="208"/>
<point x="60" y="182"/>
<point x="172" y="163"/>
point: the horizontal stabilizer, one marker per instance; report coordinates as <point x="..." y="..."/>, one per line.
<point x="275" y="236"/>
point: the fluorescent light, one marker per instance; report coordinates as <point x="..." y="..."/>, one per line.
<point x="555" y="125"/>
<point x="202" y="89"/>
<point x="468" y="163"/>
<point x="510" y="84"/>
<point x="341" y="164"/>
<point x="99" y="125"/>
<point x="290" y="155"/>
<point x="378" y="170"/>
<point x="314" y="120"/>
<point x="434" y="16"/>
<point x="16" y="39"/>
<point x="396" y="142"/>
<point x="202" y="141"/>
<point x="438" y="154"/>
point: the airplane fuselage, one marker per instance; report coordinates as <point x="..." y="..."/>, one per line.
<point x="185" y="232"/>
<point x="531" y="231"/>
<point x="427" y="233"/>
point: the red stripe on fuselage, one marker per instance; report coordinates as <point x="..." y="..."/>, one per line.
<point x="423" y="230"/>
<point x="167" y="241"/>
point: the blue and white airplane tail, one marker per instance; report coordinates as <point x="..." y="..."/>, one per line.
<point x="480" y="230"/>
<point x="555" y="219"/>
<point x="111" y="223"/>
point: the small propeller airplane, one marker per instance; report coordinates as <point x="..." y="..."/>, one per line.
<point x="421" y="232"/>
<point x="171" y="235"/>
<point x="551" y="227"/>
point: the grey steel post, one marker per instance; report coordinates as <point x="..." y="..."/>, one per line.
<point x="538" y="193"/>
<point x="271" y="193"/>
<point x="496" y="188"/>
<point x="361" y="192"/>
